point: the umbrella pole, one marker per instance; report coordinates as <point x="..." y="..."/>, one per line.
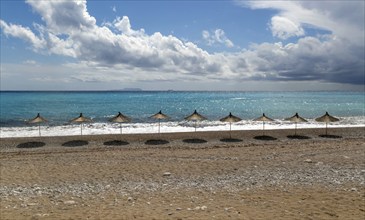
<point x="230" y="128"/>
<point x="263" y="128"/>
<point x="39" y="130"/>
<point x="295" y="131"/>
<point x="326" y="128"/>
<point x="159" y="125"/>
<point x="195" y="125"/>
<point x="121" y="128"/>
<point x="81" y="128"/>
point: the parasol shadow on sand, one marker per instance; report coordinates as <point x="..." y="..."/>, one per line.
<point x="329" y="136"/>
<point x="297" y="119"/>
<point x="156" y="142"/>
<point x="31" y="144"/>
<point x="298" y="137"/>
<point x="194" y="141"/>
<point x="231" y="140"/>
<point x="264" y="137"/>
<point x="120" y="118"/>
<point x="81" y="119"/>
<point x="231" y="119"/>
<point x="327" y="118"/>
<point x="75" y="143"/>
<point x="37" y="120"/>
<point x="115" y="143"/>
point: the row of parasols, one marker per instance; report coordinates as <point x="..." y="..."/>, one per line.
<point x="195" y="116"/>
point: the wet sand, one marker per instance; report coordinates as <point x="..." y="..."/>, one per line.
<point x="202" y="175"/>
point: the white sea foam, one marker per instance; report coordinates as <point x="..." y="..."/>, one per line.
<point x="167" y="127"/>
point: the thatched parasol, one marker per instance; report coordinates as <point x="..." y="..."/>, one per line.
<point x="120" y="118"/>
<point x="38" y="120"/>
<point x="264" y="119"/>
<point x="327" y="118"/>
<point x="81" y="119"/>
<point x="296" y="119"/>
<point x="195" y="117"/>
<point x="230" y="118"/>
<point x="160" y="116"/>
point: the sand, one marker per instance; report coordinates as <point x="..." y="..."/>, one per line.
<point x="202" y="175"/>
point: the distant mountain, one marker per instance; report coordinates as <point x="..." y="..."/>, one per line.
<point x="132" y="89"/>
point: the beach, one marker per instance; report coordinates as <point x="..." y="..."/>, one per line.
<point x="186" y="175"/>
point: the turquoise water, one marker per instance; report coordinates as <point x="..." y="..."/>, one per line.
<point x="60" y="107"/>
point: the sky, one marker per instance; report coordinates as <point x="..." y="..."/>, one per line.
<point x="182" y="45"/>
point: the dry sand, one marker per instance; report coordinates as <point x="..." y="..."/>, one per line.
<point x="183" y="177"/>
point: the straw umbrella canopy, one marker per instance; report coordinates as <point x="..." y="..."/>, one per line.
<point x="38" y="120"/>
<point x="327" y="118"/>
<point x="264" y="119"/>
<point x="296" y="119"/>
<point x="120" y="118"/>
<point x="159" y="116"/>
<point x="81" y="119"/>
<point x="230" y="118"/>
<point x="195" y="117"/>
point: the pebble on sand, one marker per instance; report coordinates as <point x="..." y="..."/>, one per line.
<point x="201" y="207"/>
<point x="166" y="174"/>
<point x="69" y="202"/>
<point x="308" y="161"/>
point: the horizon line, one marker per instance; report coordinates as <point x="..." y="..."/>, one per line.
<point x="172" y="90"/>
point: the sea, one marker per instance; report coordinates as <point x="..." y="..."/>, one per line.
<point x="17" y="107"/>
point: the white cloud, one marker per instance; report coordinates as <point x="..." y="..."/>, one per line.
<point x="116" y="52"/>
<point x="31" y="62"/>
<point x="284" y="28"/>
<point x="64" y="16"/>
<point x="124" y="26"/>
<point x="217" y="37"/>
<point x="343" y="19"/>
<point x="23" y="33"/>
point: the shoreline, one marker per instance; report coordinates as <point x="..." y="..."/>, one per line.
<point x="151" y="129"/>
<point x="310" y="133"/>
<point x="314" y="178"/>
